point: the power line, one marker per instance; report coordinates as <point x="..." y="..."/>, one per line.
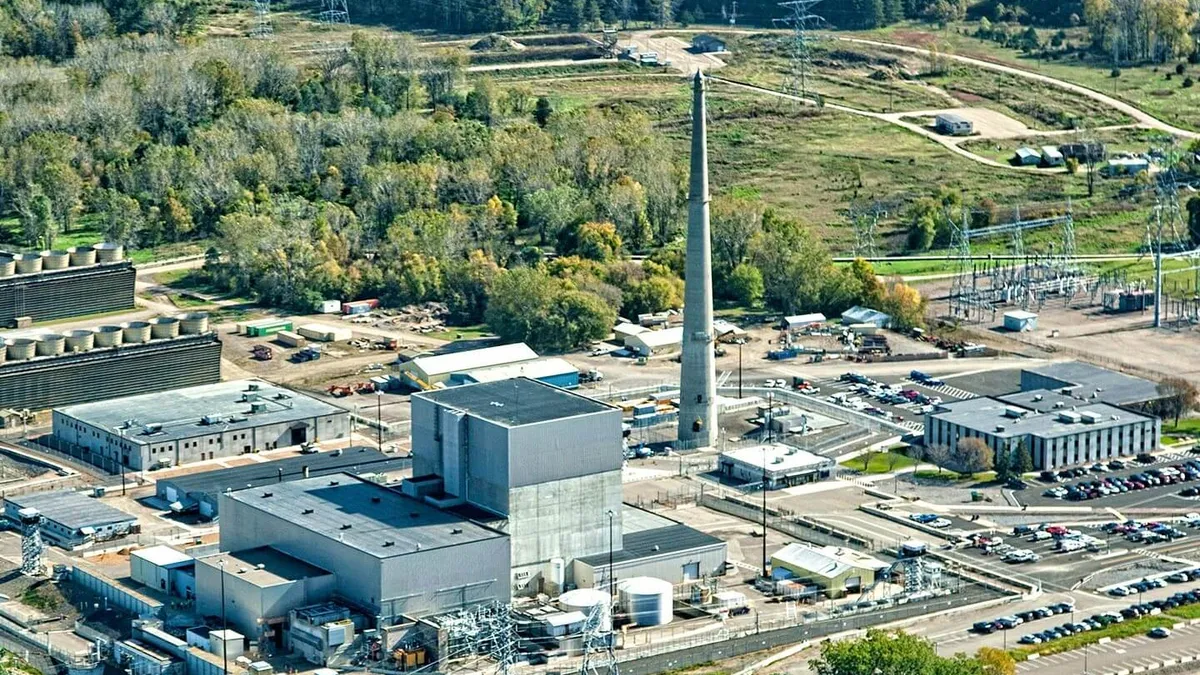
<point x="334" y="11"/>
<point x="262" y="19"/>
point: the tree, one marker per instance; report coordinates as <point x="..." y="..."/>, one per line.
<point x="654" y="294"/>
<point x="37" y="219"/>
<point x="1177" y="397"/>
<point x="1023" y="460"/>
<point x="1193" y="211"/>
<point x="526" y="304"/>
<point x="735" y="222"/>
<point x="872" y="292"/>
<point x="1003" y="463"/>
<point x="972" y="455"/>
<point x="122" y="216"/>
<point x="890" y="653"/>
<point x="597" y="241"/>
<point x="552" y="211"/>
<point x="542" y="111"/>
<point x="746" y="285"/>
<point x="937" y="455"/>
<point x="996" y="661"/>
<point x="905" y="305"/>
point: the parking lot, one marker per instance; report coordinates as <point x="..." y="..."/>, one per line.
<point x="1171" y="470"/>
<point x="901" y="399"/>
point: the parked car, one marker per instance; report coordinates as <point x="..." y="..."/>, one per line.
<point x="1160" y="633"/>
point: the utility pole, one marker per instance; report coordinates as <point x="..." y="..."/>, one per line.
<point x="733" y="17"/>
<point x="224" y="626"/>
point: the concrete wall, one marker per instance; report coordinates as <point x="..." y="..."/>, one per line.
<point x="560" y="519"/>
<point x="207" y="442"/>
<point x="565" y="448"/>
<point x="443" y="579"/>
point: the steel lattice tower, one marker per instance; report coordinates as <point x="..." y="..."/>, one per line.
<point x="262" y="19"/>
<point x="801" y="20"/>
<point x="32" y="548"/>
<point x="334" y="11"/>
<point x="599" y="655"/>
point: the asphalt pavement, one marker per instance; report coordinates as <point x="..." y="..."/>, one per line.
<point x="1140" y="652"/>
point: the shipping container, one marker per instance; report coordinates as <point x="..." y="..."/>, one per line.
<point x="324" y="333"/>
<point x="331" y="306"/>
<point x="290" y="339"/>
<point x="264" y="327"/>
<point x="359" y="306"/>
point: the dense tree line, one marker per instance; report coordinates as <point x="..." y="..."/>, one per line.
<point x="1140" y="30"/>
<point x="336" y="181"/>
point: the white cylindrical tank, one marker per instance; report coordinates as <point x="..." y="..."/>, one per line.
<point x="82" y="256"/>
<point x="55" y="260"/>
<point x="51" y="344"/>
<point x="28" y="263"/>
<point x="108" y="252"/>
<point x="8" y="266"/>
<point x="164" y="327"/>
<point x="194" y="323"/>
<point x="109" y="335"/>
<point x="647" y="601"/>
<point x="3" y="351"/>
<point x="135" y="332"/>
<point x="80" y="340"/>
<point x="582" y="600"/>
<point x="20" y="349"/>
<point x="558" y="572"/>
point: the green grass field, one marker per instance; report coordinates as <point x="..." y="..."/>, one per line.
<point x="460" y="333"/>
<point x="1186" y="427"/>
<point x="1114" y="631"/>
<point x="880" y="462"/>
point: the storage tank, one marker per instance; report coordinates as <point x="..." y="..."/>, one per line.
<point x="55" y="260"/>
<point x="51" y="344"/>
<point x="135" y="332"/>
<point x="584" y="599"/>
<point x="193" y="323"/>
<point x="3" y="352"/>
<point x="109" y="335"/>
<point x="108" y="252"/>
<point x="20" y="349"/>
<point x="28" y="263"/>
<point x="81" y="256"/>
<point x="647" y="601"/>
<point x="81" y="340"/>
<point x="8" y="266"/>
<point x="164" y="327"/>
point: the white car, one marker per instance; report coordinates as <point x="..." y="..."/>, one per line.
<point x="940" y="523"/>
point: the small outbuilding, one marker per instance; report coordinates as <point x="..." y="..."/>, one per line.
<point x="781" y="465"/>
<point x="860" y="315"/>
<point x="1126" y="166"/>
<point x="1019" y="321"/>
<point x="1051" y="156"/>
<point x="626" y="330"/>
<point x="656" y="342"/>
<point x="953" y="124"/>
<point x="836" y="570"/>
<point x="71" y="519"/>
<point x="164" y="569"/>
<point x="802" y="321"/>
<point x="1026" y="156"/>
<point x="707" y="44"/>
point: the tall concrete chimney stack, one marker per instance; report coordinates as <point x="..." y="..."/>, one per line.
<point x="698" y="383"/>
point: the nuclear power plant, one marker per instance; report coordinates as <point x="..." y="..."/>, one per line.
<point x="698" y="384"/>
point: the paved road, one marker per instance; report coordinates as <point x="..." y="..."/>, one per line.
<point x="1143" y="118"/>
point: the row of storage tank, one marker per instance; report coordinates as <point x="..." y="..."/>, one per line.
<point x="112" y="335"/>
<point x="78" y="256"/>
<point x="646" y="601"/>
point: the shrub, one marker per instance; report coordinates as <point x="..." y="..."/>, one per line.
<point x="1115" y="72"/>
<point x="1179" y="68"/>
<point x="1188" y="82"/>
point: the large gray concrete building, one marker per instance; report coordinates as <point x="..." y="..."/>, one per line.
<point x="1057" y="429"/>
<point x="196" y="423"/>
<point x="389" y="554"/>
<point x="544" y="462"/>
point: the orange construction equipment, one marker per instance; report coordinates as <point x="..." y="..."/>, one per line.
<point x="339" y="390"/>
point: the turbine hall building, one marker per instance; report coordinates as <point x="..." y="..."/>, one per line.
<point x="196" y="423"/>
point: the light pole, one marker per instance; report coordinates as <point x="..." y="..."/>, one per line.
<point x="611" y="584"/>
<point x="740" y="368"/>
<point x="224" y="626"/>
<point x="764" y="510"/>
<point x="1085" y="658"/>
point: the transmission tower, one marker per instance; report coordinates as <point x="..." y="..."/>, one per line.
<point x="262" y="19"/>
<point x="32" y="548"/>
<point x="599" y="655"/>
<point x="801" y="20"/>
<point x="334" y="11"/>
<point x="865" y="224"/>
<point x="486" y="630"/>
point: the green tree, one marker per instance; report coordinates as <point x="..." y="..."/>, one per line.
<point x="1177" y="397"/>
<point x="1023" y="462"/>
<point x="996" y="661"/>
<point x="735" y="223"/>
<point x="972" y="455"/>
<point x="542" y="110"/>
<point x="122" y="216"/>
<point x="597" y="241"/>
<point x="745" y="285"/>
<point x="37" y="219"/>
<point x="1003" y="463"/>
<point x="654" y="294"/>
<point x="526" y="304"/>
<point x="890" y="653"/>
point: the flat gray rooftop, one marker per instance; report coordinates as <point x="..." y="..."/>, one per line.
<point x="70" y="509"/>
<point x="359" y="459"/>
<point x="984" y="414"/>
<point x="277" y="566"/>
<point x="655" y="542"/>
<point x="516" y="402"/>
<point x="1116" y="388"/>
<point x="181" y="413"/>
<point x="366" y="516"/>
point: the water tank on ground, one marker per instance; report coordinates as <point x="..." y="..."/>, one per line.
<point x="194" y="323"/>
<point x="109" y="336"/>
<point x="584" y="599"/>
<point x="28" y="263"/>
<point x="80" y="340"/>
<point x="81" y="256"/>
<point x="8" y="266"/>
<point x="20" y="349"/>
<point x="108" y="252"/>
<point x="164" y="327"/>
<point x="135" y="332"/>
<point x="647" y="601"/>
<point x="51" y="344"/>
<point x="55" y="260"/>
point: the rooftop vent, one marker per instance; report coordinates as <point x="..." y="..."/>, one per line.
<point x="306" y="512"/>
<point x="498" y="404"/>
<point x="260" y="566"/>
<point x="242" y="570"/>
<point x="152" y="428"/>
<point x="388" y="543"/>
<point x="281" y="396"/>
<point x="258" y="407"/>
<point x="210" y="419"/>
<point x="1037" y="397"/>
<point x="999" y="428"/>
<point x="334" y="482"/>
<point x="346" y="526"/>
<point x="375" y="500"/>
<point x="268" y="494"/>
<point x="457" y="530"/>
<point x="253" y="386"/>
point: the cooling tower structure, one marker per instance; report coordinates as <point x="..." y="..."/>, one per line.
<point x="60" y="284"/>
<point x="697" y="378"/>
